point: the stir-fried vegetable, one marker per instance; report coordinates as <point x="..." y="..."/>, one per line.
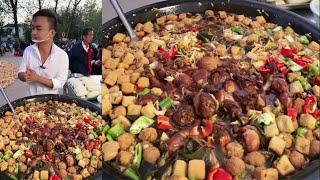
<point x="288" y="52"/>
<point x="6" y="156"/>
<point x="237" y="30"/>
<point x="130" y="173"/>
<point x="218" y="174"/>
<point x="314" y="70"/>
<point x="116" y="131"/>
<point x="304" y="40"/>
<point x="137" y="156"/>
<point x="140" y="123"/>
<point x="17" y="154"/>
<point x="166" y="103"/>
<point x="301" y="131"/>
<point x="105" y="129"/>
<point x="144" y="92"/>
<point x="303" y="81"/>
<point x="266" y="118"/>
<point x="163" y="122"/>
<point x="310" y="104"/>
<point x="292" y="112"/>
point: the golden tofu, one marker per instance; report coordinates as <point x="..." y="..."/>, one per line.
<point x="143" y="82"/>
<point x="285" y="124"/>
<point x="284" y="166"/>
<point x="197" y="169"/>
<point x="127" y="88"/>
<point x="128" y="59"/>
<point x="302" y="145"/>
<point x="277" y="145"/>
<point x="128" y="100"/>
<point x="180" y="168"/>
<point x="119" y="37"/>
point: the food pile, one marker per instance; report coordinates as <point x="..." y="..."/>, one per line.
<point x="50" y="140"/>
<point x="213" y="96"/>
<point x="8" y="73"/>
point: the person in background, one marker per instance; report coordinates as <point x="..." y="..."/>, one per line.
<point x="44" y="65"/>
<point x="83" y="56"/>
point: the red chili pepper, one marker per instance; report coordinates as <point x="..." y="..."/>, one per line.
<point x="30" y="120"/>
<point x="194" y="131"/>
<point x="28" y="153"/>
<point x="292" y="112"/>
<point x="302" y="61"/>
<point x="165" y="54"/>
<point x="193" y="29"/>
<point x="311" y="101"/>
<point x="97" y="144"/>
<point x="163" y="122"/>
<point x="317" y="80"/>
<point x="218" y="174"/>
<point x="81" y="126"/>
<point x="207" y="129"/>
<point x="89" y="121"/>
<point x="288" y="52"/>
<point x="55" y="177"/>
<point x="50" y="155"/>
<point x="224" y="140"/>
<point x="264" y="70"/>
<point x="90" y="146"/>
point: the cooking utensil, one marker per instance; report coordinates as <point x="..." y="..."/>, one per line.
<point x="246" y="7"/>
<point x="8" y="101"/>
<point x="124" y="20"/>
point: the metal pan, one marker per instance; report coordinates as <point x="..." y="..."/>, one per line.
<point x="248" y="8"/>
<point x="53" y="97"/>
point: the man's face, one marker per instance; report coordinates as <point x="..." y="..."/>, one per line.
<point x="41" y="28"/>
<point x="89" y="37"/>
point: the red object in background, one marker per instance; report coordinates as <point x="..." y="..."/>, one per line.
<point x="163" y="122"/>
<point x="90" y="51"/>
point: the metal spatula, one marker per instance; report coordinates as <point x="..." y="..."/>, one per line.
<point x="8" y="101"/>
<point x="124" y="20"/>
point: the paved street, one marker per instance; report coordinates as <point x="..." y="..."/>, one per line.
<point x="17" y="89"/>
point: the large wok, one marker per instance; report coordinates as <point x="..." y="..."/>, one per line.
<point x="54" y="97"/>
<point x="246" y="7"/>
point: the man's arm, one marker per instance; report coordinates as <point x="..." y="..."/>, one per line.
<point x="32" y="76"/>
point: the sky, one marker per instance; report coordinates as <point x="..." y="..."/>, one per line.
<point x="25" y="13"/>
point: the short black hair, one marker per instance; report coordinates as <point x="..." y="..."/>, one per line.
<point x="86" y="31"/>
<point x="52" y="17"/>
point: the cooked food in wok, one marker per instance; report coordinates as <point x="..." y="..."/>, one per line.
<point x="50" y="140"/>
<point x="8" y="73"/>
<point x="211" y="96"/>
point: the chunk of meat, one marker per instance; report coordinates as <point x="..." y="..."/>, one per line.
<point x="174" y="143"/>
<point x="232" y="107"/>
<point x="285" y="99"/>
<point x="235" y="166"/>
<point x="314" y="148"/>
<point x="200" y="76"/>
<point x="279" y="85"/>
<point x="148" y="134"/>
<point x="205" y="104"/>
<point x="297" y="159"/>
<point x="209" y="63"/>
<point x="125" y="158"/>
<point x="252" y="140"/>
<point x="184" y="116"/>
<point x="183" y="80"/>
<point x="151" y="154"/>
<point x="143" y="100"/>
<point x="125" y="141"/>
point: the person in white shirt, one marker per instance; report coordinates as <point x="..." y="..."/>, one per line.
<point x="44" y="65"/>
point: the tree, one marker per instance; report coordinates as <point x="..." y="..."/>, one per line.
<point x="56" y="5"/>
<point x="40" y="4"/>
<point x="13" y="5"/>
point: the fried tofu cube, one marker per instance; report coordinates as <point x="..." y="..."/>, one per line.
<point x="111" y="63"/>
<point x="261" y="20"/>
<point x="148" y="27"/>
<point x="284" y="166"/>
<point x="302" y="145"/>
<point x="197" y="169"/>
<point x="271" y="130"/>
<point x="128" y="59"/>
<point x="143" y="82"/>
<point x="314" y="46"/>
<point x="285" y="124"/>
<point x="156" y="91"/>
<point x="221" y="49"/>
<point x="119" y="111"/>
<point x="123" y="79"/>
<point x="85" y="173"/>
<point x="128" y="100"/>
<point x="134" y="110"/>
<point x="119" y="37"/>
<point x="44" y="175"/>
<point x="266" y="174"/>
<point x="277" y="145"/>
<point x="180" y="168"/>
<point x="127" y="88"/>
<point x="111" y="78"/>
<point x="308" y="121"/>
<point x="148" y="110"/>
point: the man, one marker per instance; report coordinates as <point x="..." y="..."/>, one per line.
<point x="44" y="65"/>
<point x="82" y="55"/>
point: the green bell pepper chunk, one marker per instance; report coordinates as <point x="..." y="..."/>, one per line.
<point x="304" y="40"/>
<point x="140" y="123"/>
<point x="270" y="32"/>
<point x="301" y="131"/>
<point x="129" y="172"/>
<point x="29" y="144"/>
<point x="17" y="154"/>
<point x="109" y="137"/>
<point x="237" y="30"/>
<point x="166" y="103"/>
<point x="13" y="177"/>
<point x="144" y="92"/>
<point x="292" y="65"/>
<point x="16" y="170"/>
<point x="137" y="156"/>
<point x="6" y="157"/>
<point x="105" y="129"/>
<point x="116" y="131"/>
<point x="156" y="27"/>
<point x="314" y="70"/>
<point x="303" y="81"/>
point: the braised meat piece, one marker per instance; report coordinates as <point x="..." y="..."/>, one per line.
<point x="184" y="116"/>
<point x="205" y="104"/>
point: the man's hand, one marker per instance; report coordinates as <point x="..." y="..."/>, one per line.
<point x="31" y="76"/>
<point x="98" y="62"/>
